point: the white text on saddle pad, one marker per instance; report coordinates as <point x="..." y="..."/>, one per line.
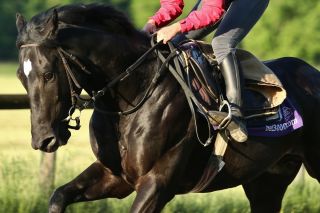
<point x="281" y="127"/>
<point x="27" y="67"/>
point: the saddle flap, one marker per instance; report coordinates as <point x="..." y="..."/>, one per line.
<point x="260" y="78"/>
<point x="266" y="108"/>
<point x="262" y="91"/>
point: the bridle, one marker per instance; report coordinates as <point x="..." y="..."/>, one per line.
<point x="72" y="82"/>
<point x="175" y="70"/>
<point x="78" y="103"/>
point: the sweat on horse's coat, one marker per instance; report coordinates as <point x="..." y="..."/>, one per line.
<point x="153" y="151"/>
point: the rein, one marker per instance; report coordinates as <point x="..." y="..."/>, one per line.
<point x="176" y="71"/>
<point x="73" y="82"/>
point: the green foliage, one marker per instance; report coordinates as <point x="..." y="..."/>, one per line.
<point x="300" y="198"/>
<point x="288" y="28"/>
<point x="29" y="8"/>
<point x="141" y="10"/>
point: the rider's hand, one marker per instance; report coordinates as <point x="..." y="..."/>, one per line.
<point x="168" y="32"/>
<point x="150" y="27"/>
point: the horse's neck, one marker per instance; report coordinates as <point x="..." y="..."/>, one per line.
<point x="119" y="52"/>
<point x="125" y="55"/>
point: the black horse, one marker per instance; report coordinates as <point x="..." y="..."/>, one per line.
<point x="152" y="151"/>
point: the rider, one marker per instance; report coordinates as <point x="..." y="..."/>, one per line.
<point x="237" y="18"/>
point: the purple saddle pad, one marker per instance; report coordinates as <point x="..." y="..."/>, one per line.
<point x="286" y="121"/>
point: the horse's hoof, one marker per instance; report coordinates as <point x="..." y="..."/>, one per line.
<point x="56" y="203"/>
<point x="55" y="209"/>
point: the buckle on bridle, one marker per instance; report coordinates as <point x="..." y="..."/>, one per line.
<point x="72" y="117"/>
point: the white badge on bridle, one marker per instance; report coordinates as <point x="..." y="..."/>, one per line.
<point x="27" y="67"/>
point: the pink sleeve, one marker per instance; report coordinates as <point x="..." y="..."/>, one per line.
<point x="169" y="10"/>
<point x="210" y="12"/>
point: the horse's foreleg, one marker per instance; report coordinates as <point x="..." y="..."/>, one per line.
<point x="159" y="185"/>
<point x="266" y="192"/>
<point x="94" y="183"/>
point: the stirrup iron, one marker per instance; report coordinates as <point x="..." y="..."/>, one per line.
<point x="226" y="121"/>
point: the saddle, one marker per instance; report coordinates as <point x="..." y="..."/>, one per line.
<point x="267" y="110"/>
<point x="262" y="91"/>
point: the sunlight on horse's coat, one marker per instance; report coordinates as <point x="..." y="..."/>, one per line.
<point x="161" y="156"/>
<point x="27" y="67"/>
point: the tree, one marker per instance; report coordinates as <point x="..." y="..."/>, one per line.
<point x="287" y="29"/>
<point x="8" y="29"/>
<point x="29" y="8"/>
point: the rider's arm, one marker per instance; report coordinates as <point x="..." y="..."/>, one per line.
<point x="169" y="10"/>
<point x="210" y="12"/>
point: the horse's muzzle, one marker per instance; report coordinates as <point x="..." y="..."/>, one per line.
<point x="49" y="144"/>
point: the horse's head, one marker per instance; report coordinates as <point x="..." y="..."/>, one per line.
<point x="47" y="87"/>
<point x="101" y="38"/>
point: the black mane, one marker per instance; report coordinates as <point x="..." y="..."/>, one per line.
<point x="99" y="17"/>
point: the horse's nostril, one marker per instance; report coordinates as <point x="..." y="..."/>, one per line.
<point x="48" y="142"/>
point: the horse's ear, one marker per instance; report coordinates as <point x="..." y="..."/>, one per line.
<point x="50" y="26"/>
<point x="20" y="22"/>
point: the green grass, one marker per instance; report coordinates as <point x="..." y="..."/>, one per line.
<point x="9" y="83"/>
<point x="19" y="188"/>
<point x="19" y="172"/>
<point x="8" y="68"/>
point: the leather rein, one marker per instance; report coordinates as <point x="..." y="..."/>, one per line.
<point x="78" y="103"/>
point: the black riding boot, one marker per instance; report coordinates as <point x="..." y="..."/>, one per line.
<point x="230" y="70"/>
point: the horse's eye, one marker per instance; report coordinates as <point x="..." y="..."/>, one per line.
<point x="18" y="44"/>
<point x="48" y="76"/>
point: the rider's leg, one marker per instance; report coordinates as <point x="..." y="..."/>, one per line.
<point x="201" y="33"/>
<point x="194" y="34"/>
<point x="231" y="72"/>
<point x="237" y="22"/>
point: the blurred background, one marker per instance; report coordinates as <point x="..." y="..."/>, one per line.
<point x="288" y="28"/>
